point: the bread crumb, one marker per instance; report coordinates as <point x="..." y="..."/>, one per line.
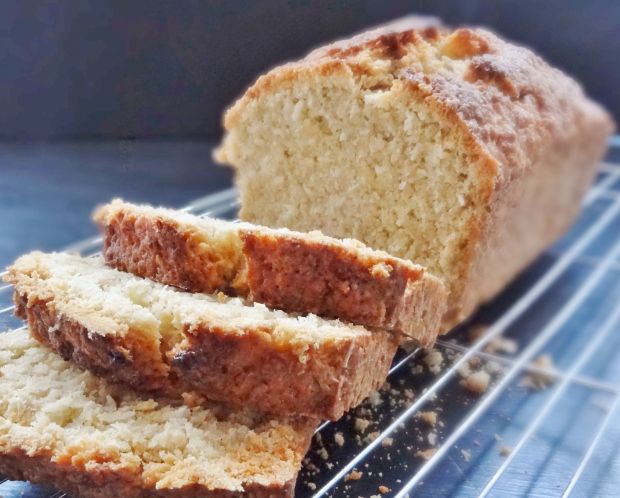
<point x="354" y="475"/>
<point x="417" y="369"/>
<point x="375" y="399"/>
<point x="311" y="485"/>
<point x="464" y="370"/>
<point x="426" y="454"/>
<point x="477" y="383"/>
<point x="433" y="360"/>
<point x="429" y="417"/>
<point x="466" y="455"/>
<point x="538" y="380"/>
<point x="505" y="451"/>
<point x="322" y="452"/>
<point x="502" y="344"/>
<point x="409" y="393"/>
<point x="432" y="438"/>
<point x="361" y="424"/>
<point x="384" y="489"/>
<point x="372" y="436"/>
<point x="388" y="441"/>
<point x="493" y="367"/>
<point x="339" y="439"/>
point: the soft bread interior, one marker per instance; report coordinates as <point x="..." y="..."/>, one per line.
<point x="107" y="301"/>
<point x="50" y="408"/>
<point x="357" y="153"/>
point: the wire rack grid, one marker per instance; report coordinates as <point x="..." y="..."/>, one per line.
<point x="547" y="424"/>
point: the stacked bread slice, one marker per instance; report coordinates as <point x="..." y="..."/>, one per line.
<point x="206" y="337"/>
<point x="69" y="428"/>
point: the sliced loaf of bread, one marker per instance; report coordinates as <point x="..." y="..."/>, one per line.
<point x="157" y="338"/>
<point x="68" y="428"/>
<point x="291" y="271"/>
<point x="450" y="147"/>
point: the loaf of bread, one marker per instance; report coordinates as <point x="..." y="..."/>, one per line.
<point x="70" y="429"/>
<point x="158" y="339"/>
<point x="451" y="148"/>
<point x="290" y="271"/>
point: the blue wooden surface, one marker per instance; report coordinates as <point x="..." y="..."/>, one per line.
<point x="47" y="191"/>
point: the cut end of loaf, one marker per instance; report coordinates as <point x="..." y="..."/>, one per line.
<point x="331" y="145"/>
<point x="420" y="142"/>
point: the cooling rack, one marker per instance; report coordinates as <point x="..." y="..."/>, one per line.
<point x="547" y="423"/>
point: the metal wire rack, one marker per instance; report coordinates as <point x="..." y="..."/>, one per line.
<point x="424" y="433"/>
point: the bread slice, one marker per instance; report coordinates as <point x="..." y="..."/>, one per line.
<point x="448" y="147"/>
<point x="291" y="271"/>
<point x="68" y="428"/>
<point x="157" y="338"/>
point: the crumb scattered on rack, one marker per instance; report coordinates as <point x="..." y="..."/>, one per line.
<point x="322" y="452"/>
<point x="311" y="485"/>
<point x="417" y="369"/>
<point x="375" y="399"/>
<point x="505" y="451"/>
<point x="339" y="439"/>
<point x="539" y="380"/>
<point x="433" y="359"/>
<point x="384" y="489"/>
<point x="388" y="441"/>
<point x="428" y="417"/>
<point x="502" y="344"/>
<point x="372" y="436"/>
<point x="361" y="424"/>
<point x="426" y="454"/>
<point x="466" y="455"/>
<point x="432" y="438"/>
<point x="354" y="475"/>
<point x="477" y="382"/>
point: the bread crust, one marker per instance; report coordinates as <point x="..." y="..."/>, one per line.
<point x="529" y="127"/>
<point x="106" y="482"/>
<point x="115" y="358"/>
<point x="307" y="273"/>
<point x="240" y="368"/>
<point x="325" y="383"/>
<point x="94" y="439"/>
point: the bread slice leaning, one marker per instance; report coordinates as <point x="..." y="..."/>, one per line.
<point x="157" y="338"/>
<point x="292" y="271"/>
<point x="67" y="428"/>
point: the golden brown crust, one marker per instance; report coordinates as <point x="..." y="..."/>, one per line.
<point x="238" y="367"/>
<point x="105" y="481"/>
<point x="331" y="281"/>
<point x="519" y="117"/>
<point x="328" y="382"/>
<point x="120" y="359"/>
<point x="160" y="249"/>
<point x="283" y="270"/>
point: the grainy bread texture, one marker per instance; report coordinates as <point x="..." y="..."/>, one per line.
<point x="157" y="338"/>
<point x="67" y="428"/>
<point x="451" y="148"/>
<point x="291" y="271"/>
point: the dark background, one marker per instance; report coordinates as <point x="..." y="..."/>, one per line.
<point x="111" y="98"/>
<point x="131" y="69"/>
